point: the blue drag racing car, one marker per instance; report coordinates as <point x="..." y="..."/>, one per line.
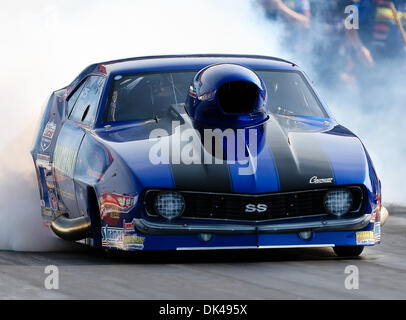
<point x="203" y="152"/>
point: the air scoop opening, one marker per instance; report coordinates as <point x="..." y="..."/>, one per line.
<point x="238" y="97"/>
<point x="227" y="96"/>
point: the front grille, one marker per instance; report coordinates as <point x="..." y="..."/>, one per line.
<point x="200" y="205"/>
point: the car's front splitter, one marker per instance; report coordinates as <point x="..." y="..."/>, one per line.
<point x="368" y="236"/>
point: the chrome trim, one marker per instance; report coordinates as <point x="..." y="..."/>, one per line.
<point x="252" y="221"/>
<point x="330" y="245"/>
<point x="259" y="247"/>
<point x="255" y="196"/>
<point x="343" y="224"/>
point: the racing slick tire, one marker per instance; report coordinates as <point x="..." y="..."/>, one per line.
<point x="348" y="251"/>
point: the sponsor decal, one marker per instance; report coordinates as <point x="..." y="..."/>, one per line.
<point x="316" y="180"/>
<point x="192" y="92"/>
<point x="376" y="218"/>
<point x="49" y="130"/>
<point x="373" y="216"/>
<point x="129" y="227"/>
<point x="116" y="238"/>
<point x="102" y="69"/>
<point x="377" y="232"/>
<point x="47" y="213"/>
<point x="47" y="135"/>
<point x="53" y="201"/>
<point x="376" y="213"/>
<point x="133" y="242"/>
<point x="365" y="238"/>
<point x="112" y="237"/>
<point x="45" y="144"/>
<point x="112" y="205"/>
<point x="49" y="179"/>
<point x="43" y="161"/>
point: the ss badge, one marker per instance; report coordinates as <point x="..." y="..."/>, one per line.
<point x="249" y="208"/>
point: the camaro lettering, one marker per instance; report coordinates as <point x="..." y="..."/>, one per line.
<point x="315" y="180"/>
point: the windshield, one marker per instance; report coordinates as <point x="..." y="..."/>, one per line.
<point x="150" y="96"/>
<point x="146" y="96"/>
<point x="290" y="94"/>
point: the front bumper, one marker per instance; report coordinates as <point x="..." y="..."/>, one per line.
<point x="171" y="228"/>
<point x="158" y="235"/>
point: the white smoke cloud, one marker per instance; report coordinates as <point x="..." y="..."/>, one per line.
<point x="21" y="225"/>
<point x="382" y="133"/>
<point x="45" y="44"/>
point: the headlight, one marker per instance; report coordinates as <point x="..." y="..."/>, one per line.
<point x="338" y="202"/>
<point x="169" y="205"/>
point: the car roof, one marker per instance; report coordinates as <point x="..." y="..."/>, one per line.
<point x="193" y="62"/>
<point x="162" y="63"/>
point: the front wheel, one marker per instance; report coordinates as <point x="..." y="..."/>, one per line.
<point x="348" y="251"/>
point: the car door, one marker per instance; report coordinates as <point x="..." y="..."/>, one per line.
<point x="83" y="106"/>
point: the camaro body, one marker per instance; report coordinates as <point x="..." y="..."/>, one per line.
<point x="94" y="158"/>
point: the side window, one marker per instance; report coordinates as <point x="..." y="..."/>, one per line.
<point x="86" y="106"/>
<point x="72" y="100"/>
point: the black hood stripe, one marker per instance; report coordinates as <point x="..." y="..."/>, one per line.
<point x="298" y="156"/>
<point x="214" y="177"/>
<point x="200" y="177"/>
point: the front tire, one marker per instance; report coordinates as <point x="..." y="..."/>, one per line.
<point x="348" y="251"/>
<point x="95" y="220"/>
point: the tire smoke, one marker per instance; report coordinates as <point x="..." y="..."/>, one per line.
<point x="21" y="225"/>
